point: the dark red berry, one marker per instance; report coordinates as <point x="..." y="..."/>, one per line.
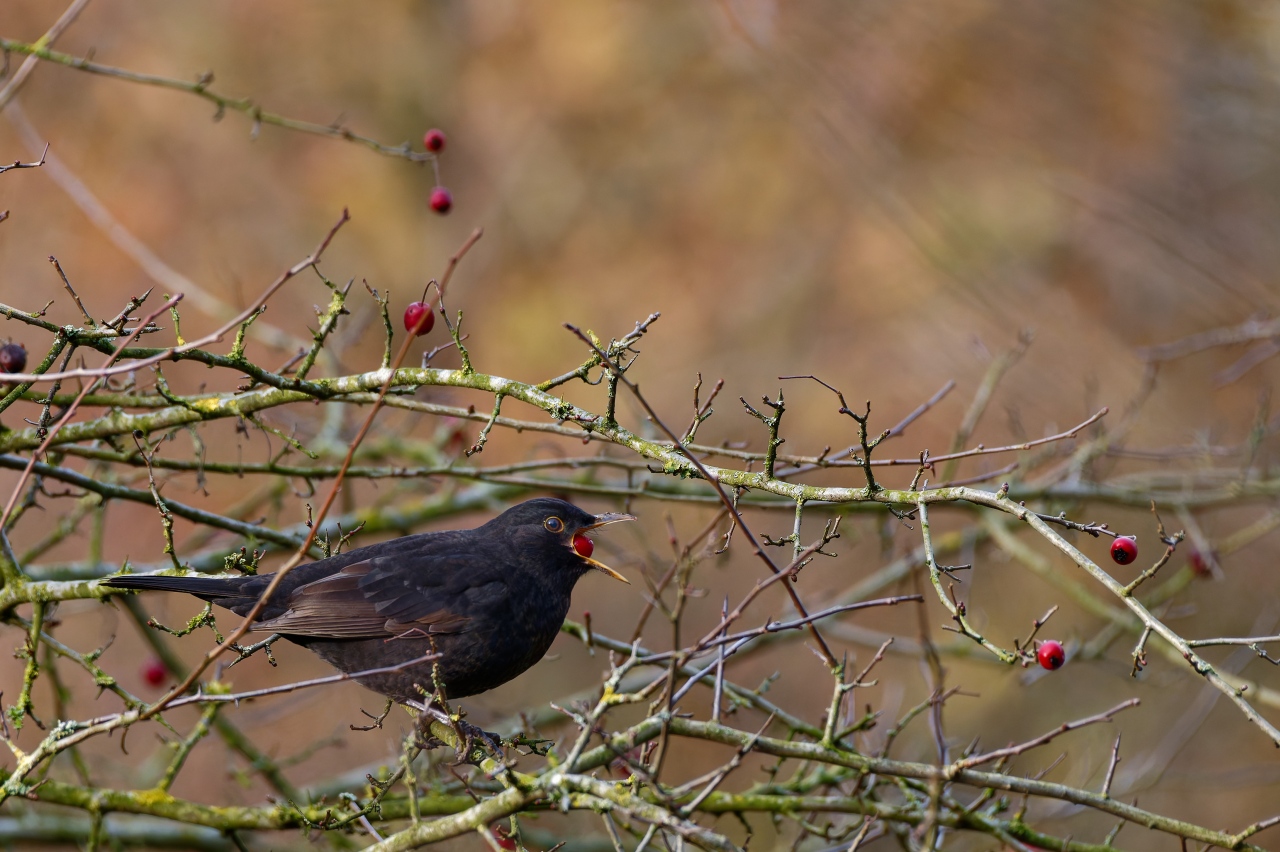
<point x="1201" y="564"/>
<point x="419" y="318"/>
<point x="13" y="358"/>
<point x="583" y="545"/>
<point x="1051" y="655"/>
<point x="154" y="672"/>
<point x="1124" y="550"/>
<point x="441" y="200"/>
<point x="434" y="140"/>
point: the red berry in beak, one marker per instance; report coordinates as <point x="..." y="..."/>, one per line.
<point x="583" y="545"/>
<point x="1124" y="550"/>
<point x="1051" y="655"/>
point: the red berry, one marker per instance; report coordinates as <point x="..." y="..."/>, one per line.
<point x="441" y="200"/>
<point x="1051" y="655"/>
<point x="13" y="358"/>
<point x="1200" y="564"/>
<point x="154" y="672"/>
<point x="583" y="545"/>
<point x="434" y="140"/>
<point x="418" y="318"/>
<point x="1124" y="550"/>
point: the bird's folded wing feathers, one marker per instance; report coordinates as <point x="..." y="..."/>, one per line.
<point x="367" y="600"/>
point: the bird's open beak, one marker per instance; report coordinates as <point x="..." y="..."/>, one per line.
<point x="601" y="521"/>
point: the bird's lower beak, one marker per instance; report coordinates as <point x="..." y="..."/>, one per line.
<point x="600" y="566"/>
<point x="604" y="520"/>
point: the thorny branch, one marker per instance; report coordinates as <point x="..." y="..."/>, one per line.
<point x="855" y="793"/>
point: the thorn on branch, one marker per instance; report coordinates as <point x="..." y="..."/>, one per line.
<point x="483" y="438"/>
<point x="701" y="411"/>
<point x="772" y="424"/>
<point x="245" y="651"/>
<point x="867" y="444"/>
<point x="455" y="332"/>
<point x="377" y="720"/>
<point x="1026" y="647"/>
<point x="1170" y="542"/>
<point x="203" y="619"/>
<point x="947" y="569"/>
<point x="88" y="320"/>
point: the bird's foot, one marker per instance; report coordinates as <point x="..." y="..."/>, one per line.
<point x="473" y="735"/>
<point x="469" y="736"/>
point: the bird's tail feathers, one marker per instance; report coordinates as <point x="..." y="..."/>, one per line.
<point x="202" y="587"/>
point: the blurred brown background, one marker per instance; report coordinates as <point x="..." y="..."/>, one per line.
<point x="879" y="193"/>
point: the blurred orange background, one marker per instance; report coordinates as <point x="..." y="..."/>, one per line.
<point x="881" y="194"/>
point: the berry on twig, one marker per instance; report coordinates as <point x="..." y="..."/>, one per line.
<point x="419" y="318"/>
<point x="1050" y="655"/>
<point x="433" y="140"/>
<point x="1124" y="550"/>
<point x="441" y="200"/>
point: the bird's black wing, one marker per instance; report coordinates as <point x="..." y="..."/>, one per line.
<point x="387" y="596"/>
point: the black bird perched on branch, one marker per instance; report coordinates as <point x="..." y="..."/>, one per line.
<point x="490" y="599"/>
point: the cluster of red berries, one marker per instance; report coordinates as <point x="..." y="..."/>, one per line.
<point x="441" y="200"/>
<point x="1124" y="549"/>
<point x="418" y="317"/>
<point x="13" y="358"/>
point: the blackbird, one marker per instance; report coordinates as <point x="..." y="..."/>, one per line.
<point x="490" y="600"/>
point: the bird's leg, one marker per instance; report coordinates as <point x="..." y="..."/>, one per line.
<point x="426" y="715"/>
<point x="465" y="731"/>
<point x="470" y="734"/>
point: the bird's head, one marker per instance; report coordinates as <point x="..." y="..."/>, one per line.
<point x="558" y="523"/>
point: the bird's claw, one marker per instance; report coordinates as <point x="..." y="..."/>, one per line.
<point x="471" y="736"/>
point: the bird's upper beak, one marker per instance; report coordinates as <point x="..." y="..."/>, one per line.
<point x="609" y="518"/>
<point x="604" y="520"/>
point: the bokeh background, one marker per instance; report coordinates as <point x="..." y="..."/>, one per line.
<point x="883" y="194"/>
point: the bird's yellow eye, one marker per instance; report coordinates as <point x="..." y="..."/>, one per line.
<point x="553" y="524"/>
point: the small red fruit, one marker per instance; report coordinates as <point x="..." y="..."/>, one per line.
<point x="583" y="545"/>
<point x="13" y="358"/>
<point x="434" y="140"/>
<point x="419" y="318"/>
<point x="441" y="200"/>
<point x="1124" y="550"/>
<point x="1200" y="564"/>
<point x="154" y="672"/>
<point x="1051" y="655"/>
